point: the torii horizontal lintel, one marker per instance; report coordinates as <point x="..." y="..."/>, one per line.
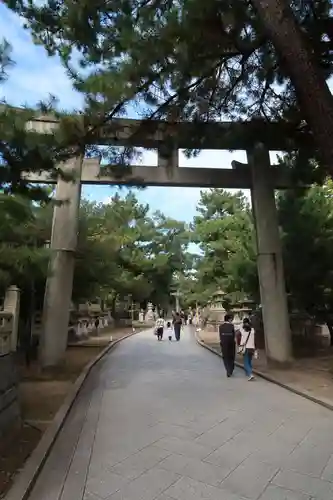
<point x="240" y="135"/>
<point x="93" y="174"/>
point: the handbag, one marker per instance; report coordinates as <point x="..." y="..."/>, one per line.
<point x="242" y="348"/>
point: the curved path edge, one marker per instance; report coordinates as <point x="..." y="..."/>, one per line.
<point x="288" y="387"/>
<point x="26" y="479"/>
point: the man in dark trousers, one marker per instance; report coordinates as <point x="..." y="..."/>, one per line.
<point x="228" y="346"/>
<point x="177" y="325"/>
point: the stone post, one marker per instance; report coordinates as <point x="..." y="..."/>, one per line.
<point x="59" y="285"/>
<point x="269" y="259"/>
<point x="149" y="316"/>
<point x="177" y="303"/>
<point x="168" y="157"/>
<point x="11" y="304"/>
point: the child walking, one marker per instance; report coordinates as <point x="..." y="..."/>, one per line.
<point x="169" y="330"/>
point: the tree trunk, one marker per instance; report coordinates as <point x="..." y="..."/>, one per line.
<point x="330" y="327"/>
<point x="113" y="306"/>
<point x="314" y="96"/>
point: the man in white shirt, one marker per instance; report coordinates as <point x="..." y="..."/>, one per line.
<point x="159" y="326"/>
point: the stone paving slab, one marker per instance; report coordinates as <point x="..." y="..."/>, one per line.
<point x="160" y="421"/>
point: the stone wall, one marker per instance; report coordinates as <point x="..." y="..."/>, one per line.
<point x="9" y="406"/>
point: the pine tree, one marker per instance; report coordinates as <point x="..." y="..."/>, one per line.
<point x="225" y="233"/>
<point x="193" y="60"/>
<point x="25" y="150"/>
<point x="301" y="61"/>
<point x="23" y="256"/>
<point x="306" y="219"/>
<point x="224" y="228"/>
<point x="5" y="60"/>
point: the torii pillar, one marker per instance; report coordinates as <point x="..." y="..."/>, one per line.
<point x="269" y="259"/>
<point x="59" y="284"/>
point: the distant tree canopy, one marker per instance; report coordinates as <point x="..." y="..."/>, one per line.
<point x="23" y="234"/>
<point x="225" y="232"/>
<point x="132" y="252"/>
<point x="306" y="220"/>
<point x="125" y="251"/>
<point x="122" y="249"/>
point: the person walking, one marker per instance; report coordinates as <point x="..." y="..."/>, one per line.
<point x="177" y="325"/>
<point x="159" y="326"/>
<point x="228" y="345"/>
<point x="97" y="325"/>
<point x="247" y="348"/>
<point x="169" y="330"/>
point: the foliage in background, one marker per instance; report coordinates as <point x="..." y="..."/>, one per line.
<point x="224" y="231"/>
<point x="24" y="231"/>
<point x="306" y="220"/>
<point x="122" y="250"/>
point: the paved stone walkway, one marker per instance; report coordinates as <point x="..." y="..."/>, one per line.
<point x="160" y="421"/>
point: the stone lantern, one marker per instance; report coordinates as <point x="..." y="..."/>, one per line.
<point x="177" y="296"/>
<point x="216" y="308"/>
<point x="215" y="311"/>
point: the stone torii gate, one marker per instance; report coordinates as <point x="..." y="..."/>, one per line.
<point x="258" y="176"/>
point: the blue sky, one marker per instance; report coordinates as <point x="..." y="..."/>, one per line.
<point x="35" y="76"/>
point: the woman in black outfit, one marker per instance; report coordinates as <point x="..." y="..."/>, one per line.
<point x="177" y="324"/>
<point x="228" y="346"/>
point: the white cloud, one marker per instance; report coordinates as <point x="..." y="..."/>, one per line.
<point x="35" y="75"/>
